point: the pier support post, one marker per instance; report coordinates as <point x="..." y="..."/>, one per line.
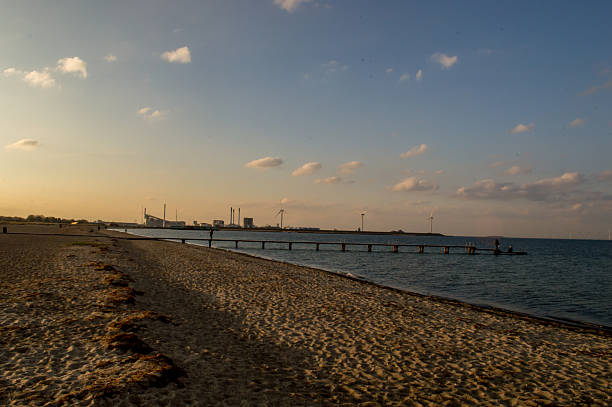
<point x="183" y="241"/>
<point x="290" y="244"/>
<point x="395" y="248"/>
<point x="343" y="247"/>
<point x="4" y="230"/>
<point x="369" y="247"/>
<point x="236" y="244"/>
<point x="317" y="248"/>
<point x="263" y="245"/>
<point x="420" y="249"/>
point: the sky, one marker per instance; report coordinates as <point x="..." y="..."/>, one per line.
<point x="495" y="118"/>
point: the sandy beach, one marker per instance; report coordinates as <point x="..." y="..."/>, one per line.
<point x="97" y="320"/>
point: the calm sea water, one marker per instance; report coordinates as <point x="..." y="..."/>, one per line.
<point x="560" y="279"/>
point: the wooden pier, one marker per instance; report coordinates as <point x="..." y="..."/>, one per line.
<point x="468" y="249"/>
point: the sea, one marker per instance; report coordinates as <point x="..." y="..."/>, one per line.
<point x="561" y="279"/>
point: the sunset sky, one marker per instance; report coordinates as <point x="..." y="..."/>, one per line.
<point x="495" y="116"/>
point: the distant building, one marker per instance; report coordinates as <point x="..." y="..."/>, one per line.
<point x="155" y="222"/>
<point x="248" y="223"/>
<point x="218" y="223"/>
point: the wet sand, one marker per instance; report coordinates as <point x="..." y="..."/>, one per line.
<point x="96" y="321"/>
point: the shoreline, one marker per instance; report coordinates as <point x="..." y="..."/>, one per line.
<point x="568" y="323"/>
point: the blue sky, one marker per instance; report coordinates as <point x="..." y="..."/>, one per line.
<point x="109" y="107"/>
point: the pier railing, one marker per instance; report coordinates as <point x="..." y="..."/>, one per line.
<point x="468" y="248"/>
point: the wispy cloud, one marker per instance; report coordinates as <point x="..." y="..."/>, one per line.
<point x="594" y="89"/>
<point x="414" y="151"/>
<point x="290" y="5"/>
<point x="333" y="66"/>
<point x="328" y="180"/>
<point x="576" y="122"/>
<point x="445" y="61"/>
<point x="307" y="169"/>
<point x="404" y="77"/>
<point x="150" y="113"/>
<point x="23" y="144"/>
<point x="110" y="58"/>
<point x="548" y="189"/>
<point x="419" y="75"/>
<point x="497" y="164"/>
<point x="522" y="128"/>
<point x="72" y="65"/>
<point x="180" y="55"/>
<point x="389" y="70"/>
<point x="39" y="79"/>
<point x="604" y="175"/>
<point x="516" y="170"/>
<point x="266" y="162"/>
<point x="414" y="184"/>
<point x="349" y="167"/>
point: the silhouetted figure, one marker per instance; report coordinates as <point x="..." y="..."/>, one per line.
<point x="510" y="249"/>
<point x="497" y="251"/>
<point x="212" y="230"/>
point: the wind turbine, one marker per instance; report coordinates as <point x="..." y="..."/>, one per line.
<point x="430" y="219"/>
<point x="281" y="213"/>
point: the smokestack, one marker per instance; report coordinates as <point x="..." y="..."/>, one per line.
<point x="238" y="216"/>
<point x="145" y="215"/>
<point x="231" y="215"/>
<point x="164" y="222"/>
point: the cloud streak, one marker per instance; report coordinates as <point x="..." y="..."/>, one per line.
<point x="548" y="189"/>
<point x="411" y="184"/>
<point x="522" y="128"/>
<point x="23" y="144"/>
<point x="266" y="162"/>
<point x="328" y="180"/>
<point x="516" y="170"/>
<point x="415" y="151"/>
<point x="307" y="169"/>
<point x="576" y="122"/>
<point x="349" y="167"/>
<point x="290" y="6"/>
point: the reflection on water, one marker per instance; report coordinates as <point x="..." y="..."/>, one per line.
<point x="569" y="279"/>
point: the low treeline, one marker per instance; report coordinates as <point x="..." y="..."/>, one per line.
<point x="40" y="219"/>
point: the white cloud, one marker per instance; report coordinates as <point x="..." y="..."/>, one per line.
<point x="576" y="122"/>
<point x="605" y="175"/>
<point x="419" y="75"/>
<point x="414" y="151"/>
<point x="414" y="184"/>
<point x="404" y="77"/>
<point x="333" y="66"/>
<point x="11" y="72"/>
<point x="110" y="58"/>
<point x="180" y="55"/>
<point x="516" y="170"/>
<point x="307" y="169"/>
<point x="349" y="167"/>
<point x="74" y="65"/>
<point x="444" y="60"/>
<point x="522" y="128"/>
<point x="328" y="180"/>
<point x="23" y="144"/>
<point x="290" y="5"/>
<point x="42" y="79"/>
<point x="548" y="189"/>
<point x="266" y="162"/>
<point x="389" y="70"/>
<point x="150" y="113"/>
